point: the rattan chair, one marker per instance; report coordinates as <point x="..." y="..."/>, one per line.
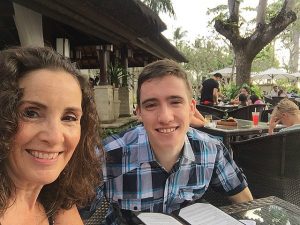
<point x="245" y="112"/>
<point x="206" y="110"/>
<point x="271" y="164"/>
<point x="264" y="115"/>
<point x="99" y="215"/>
<point x="275" y="100"/>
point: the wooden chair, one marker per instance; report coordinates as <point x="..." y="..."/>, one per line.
<point x="271" y="164"/>
<point x="206" y="110"/>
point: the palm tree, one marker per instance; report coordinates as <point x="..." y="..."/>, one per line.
<point x="164" y="6"/>
<point x="178" y="35"/>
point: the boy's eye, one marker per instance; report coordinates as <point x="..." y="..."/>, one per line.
<point x="176" y="102"/>
<point x="149" y="106"/>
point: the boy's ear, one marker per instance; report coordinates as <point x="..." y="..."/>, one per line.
<point x="193" y="106"/>
<point x="138" y="114"/>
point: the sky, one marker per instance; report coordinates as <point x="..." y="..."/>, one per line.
<point x="191" y="17"/>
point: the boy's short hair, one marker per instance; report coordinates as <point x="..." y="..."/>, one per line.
<point x="218" y="75"/>
<point x="159" y="69"/>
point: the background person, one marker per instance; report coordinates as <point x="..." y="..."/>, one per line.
<point x="243" y="101"/>
<point x="159" y="166"/>
<point x="48" y="135"/>
<point x="274" y="91"/>
<point x="255" y="100"/>
<point x="287" y="113"/>
<point x="210" y="90"/>
<point x="245" y="91"/>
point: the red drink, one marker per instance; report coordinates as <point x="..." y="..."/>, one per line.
<point x="255" y="117"/>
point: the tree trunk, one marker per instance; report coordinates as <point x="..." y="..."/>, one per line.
<point x="261" y="12"/>
<point x="243" y="68"/>
<point x="294" y="53"/>
<point x="233" y="7"/>
<point x="246" y="48"/>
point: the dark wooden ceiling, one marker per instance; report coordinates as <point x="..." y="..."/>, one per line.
<point x="91" y="23"/>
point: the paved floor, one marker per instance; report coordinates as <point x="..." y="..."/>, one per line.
<point x="119" y="122"/>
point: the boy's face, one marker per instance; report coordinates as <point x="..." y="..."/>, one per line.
<point x="165" y="110"/>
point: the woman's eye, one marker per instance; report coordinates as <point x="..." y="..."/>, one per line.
<point x="70" y="118"/>
<point x="29" y="113"/>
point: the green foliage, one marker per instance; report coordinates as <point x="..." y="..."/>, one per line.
<point x="110" y="131"/>
<point x="164" y="6"/>
<point x="178" y="34"/>
<point x="255" y="89"/>
<point x="205" y="56"/>
<point x="230" y="90"/>
<point x="119" y="76"/>
<point x="115" y="72"/>
<point x="287" y="85"/>
<point x="265" y="59"/>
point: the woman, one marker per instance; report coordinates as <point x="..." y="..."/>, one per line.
<point x="287" y="113"/>
<point x="245" y="91"/>
<point x="48" y="129"/>
<point x="243" y="101"/>
<point x="255" y="100"/>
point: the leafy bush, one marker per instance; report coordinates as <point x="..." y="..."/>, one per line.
<point x="232" y="90"/>
<point x="110" y="131"/>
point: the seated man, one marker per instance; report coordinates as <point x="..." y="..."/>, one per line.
<point x="163" y="164"/>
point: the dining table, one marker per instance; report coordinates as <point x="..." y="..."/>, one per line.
<point x="226" y="107"/>
<point x="243" y="129"/>
<point x="265" y="211"/>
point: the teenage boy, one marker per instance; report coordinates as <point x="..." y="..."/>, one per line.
<point x="162" y="164"/>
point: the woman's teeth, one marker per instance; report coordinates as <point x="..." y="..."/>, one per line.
<point x="43" y="155"/>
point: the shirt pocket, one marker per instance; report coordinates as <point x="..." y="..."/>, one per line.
<point x="136" y="204"/>
<point x="192" y="193"/>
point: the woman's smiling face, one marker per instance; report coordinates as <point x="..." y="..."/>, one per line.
<point x="49" y="127"/>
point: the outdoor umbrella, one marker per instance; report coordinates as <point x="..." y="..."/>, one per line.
<point x="272" y="73"/>
<point x="296" y="75"/>
<point x="226" y="72"/>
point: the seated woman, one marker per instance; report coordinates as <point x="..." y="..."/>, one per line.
<point x="243" y="90"/>
<point x="243" y="101"/>
<point x="255" y="100"/>
<point x="287" y="113"/>
<point x="281" y="93"/>
<point x="49" y="130"/>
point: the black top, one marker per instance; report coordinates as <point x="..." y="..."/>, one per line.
<point x="208" y="89"/>
<point x="51" y="222"/>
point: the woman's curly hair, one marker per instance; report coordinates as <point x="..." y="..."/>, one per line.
<point x="78" y="181"/>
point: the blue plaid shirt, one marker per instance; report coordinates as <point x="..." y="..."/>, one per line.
<point x="135" y="181"/>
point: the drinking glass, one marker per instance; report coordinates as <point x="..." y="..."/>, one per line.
<point x="255" y="118"/>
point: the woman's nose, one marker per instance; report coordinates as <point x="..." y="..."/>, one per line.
<point x="52" y="132"/>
